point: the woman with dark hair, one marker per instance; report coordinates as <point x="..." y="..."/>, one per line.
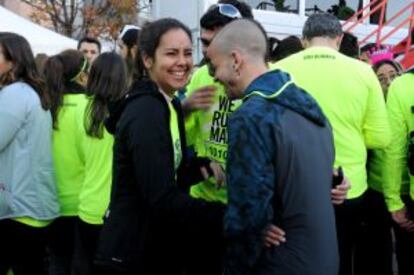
<point x="377" y="243"/>
<point x="151" y="216"/>
<point x="387" y="70"/>
<point x="82" y="151"/>
<point x="106" y="83"/>
<point x="28" y="201"/>
<point x="65" y="75"/>
<point x="128" y="45"/>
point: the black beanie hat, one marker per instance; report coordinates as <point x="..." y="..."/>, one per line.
<point x="129" y="35"/>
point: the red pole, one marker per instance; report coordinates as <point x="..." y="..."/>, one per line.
<point x="381" y="22"/>
<point x="410" y="32"/>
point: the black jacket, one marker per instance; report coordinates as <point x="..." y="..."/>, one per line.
<point x="150" y="213"/>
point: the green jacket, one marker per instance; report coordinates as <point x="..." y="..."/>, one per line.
<point x="350" y="96"/>
<point x="400" y="101"/>
<point x="83" y="164"/>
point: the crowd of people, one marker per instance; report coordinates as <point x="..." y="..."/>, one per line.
<point x="290" y="156"/>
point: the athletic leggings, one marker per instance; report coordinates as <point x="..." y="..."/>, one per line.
<point x="22" y="248"/>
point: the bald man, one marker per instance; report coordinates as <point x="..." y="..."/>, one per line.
<point x="280" y="161"/>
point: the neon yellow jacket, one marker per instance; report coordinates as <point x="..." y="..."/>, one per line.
<point x="399" y="103"/>
<point x="350" y="96"/>
<point x="207" y="132"/>
<point x="83" y="164"/>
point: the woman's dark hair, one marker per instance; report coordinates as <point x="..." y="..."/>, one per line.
<point x="17" y="50"/>
<point x="107" y="82"/>
<point x="130" y="39"/>
<point x="61" y="72"/>
<point x="40" y="60"/>
<point x="392" y="63"/>
<point x="281" y="49"/>
<point x="150" y="38"/>
<point x="213" y="19"/>
<point x="370" y="47"/>
<point x="349" y="45"/>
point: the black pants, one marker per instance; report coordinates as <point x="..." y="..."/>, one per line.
<point x="373" y="252"/>
<point x="404" y="245"/>
<point x="349" y="230"/>
<point x="204" y="255"/>
<point x="87" y="236"/>
<point x="61" y="245"/>
<point x="99" y="270"/>
<point x="22" y="248"/>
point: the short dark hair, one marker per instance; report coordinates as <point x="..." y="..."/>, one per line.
<point x="283" y="48"/>
<point x="90" y="40"/>
<point x="371" y="47"/>
<point x="349" y="45"/>
<point x="322" y="25"/>
<point x="212" y="19"/>
<point x="149" y="40"/>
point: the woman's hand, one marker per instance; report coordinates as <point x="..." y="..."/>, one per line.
<point x="273" y="235"/>
<point x="216" y="171"/>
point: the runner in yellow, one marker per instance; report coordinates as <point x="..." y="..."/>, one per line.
<point x="82" y="154"/>
<point x="206" y="128"/>
<point x="398" y="155"/>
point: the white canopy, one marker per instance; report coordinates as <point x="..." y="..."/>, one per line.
<point x="41" y="39"/>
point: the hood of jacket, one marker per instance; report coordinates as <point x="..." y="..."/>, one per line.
<point x="116" y="108"/>
<point x="278" y="87"/>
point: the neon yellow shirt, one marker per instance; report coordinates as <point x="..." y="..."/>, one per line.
<point x="68" y="154"/>
<point x="96" y="186"/>
<point x="207" y="131"/>
<point x="32" y="222"/>
<point x="83" y="164"/>
<point x="399" y="103"/>
<point x="175" y="136"/>
<point x="351" y="97"/>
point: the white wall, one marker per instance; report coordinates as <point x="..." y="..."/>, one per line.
<point x="275" y="23"/>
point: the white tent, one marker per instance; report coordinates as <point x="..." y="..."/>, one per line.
<point x="41" y="39"/>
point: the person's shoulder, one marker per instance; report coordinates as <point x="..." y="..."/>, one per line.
<point x="201" y="77"/>
<point x="81" y="99"/>
<point x="359" y="69"/>
<point x="355" y="62"/>
<point x="405" y="79"/>
<point x="19" y="92"/>
<point x="287" y="61"/>
<point x="254" y="109"/>
<point x="24" y="89"/>
<point x="402" y="85"/>
<point x="201" y="71"/>
<point x="143" y="106"/>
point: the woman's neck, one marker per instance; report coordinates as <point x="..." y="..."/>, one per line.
<point x="167" y="96"/>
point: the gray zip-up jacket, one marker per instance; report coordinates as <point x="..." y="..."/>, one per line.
<point x="27" y="186"/>
<point x="279" y="171"/>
